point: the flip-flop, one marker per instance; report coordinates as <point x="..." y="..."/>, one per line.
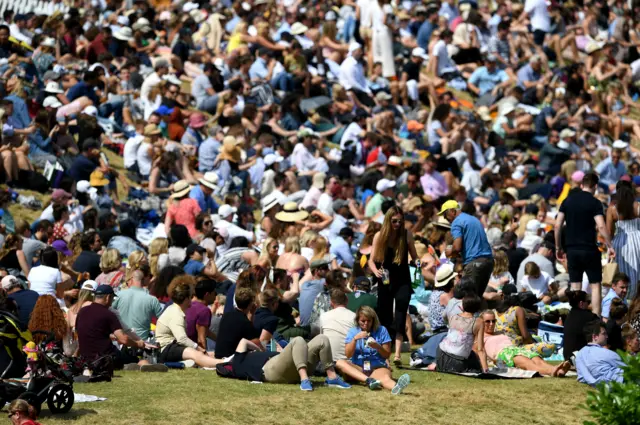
<point x="397" y="362"/>
<point x="402" y="383"/>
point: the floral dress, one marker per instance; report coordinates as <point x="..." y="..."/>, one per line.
<point x="507" y="324"/>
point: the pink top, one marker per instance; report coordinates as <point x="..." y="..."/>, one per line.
<point x="493" y="344"/>
<point x="184" y="212"/>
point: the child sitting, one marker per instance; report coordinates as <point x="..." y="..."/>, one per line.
<point x="499" y="277"/>
<point x="538" y="282"/>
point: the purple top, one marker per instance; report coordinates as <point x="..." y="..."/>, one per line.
<point x="197" y="314"/>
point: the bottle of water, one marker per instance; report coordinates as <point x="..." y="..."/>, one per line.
<point x="501" y="366"/>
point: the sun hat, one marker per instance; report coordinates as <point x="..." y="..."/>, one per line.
<point x="442" y="223"/>
<point x="151" y="130"/>
<point x="291" y="213"/>
<point x="91" y="111"/>
<point x="53" y="87"/>
<point x="124" y="34"/>
<point x="483" y="113"/>
<point x="619" y="144"/>
<point x="272" y="158"/>
<point x="449" y="205"/>
<point x="210" y="179"/>
<point x="512" y="191"/>
<point x="533" y="225"/>
<point x="230" y="150"/>
<point x="419" y="52"/>
<point x="318" y="180"/>
<point x="97" y="179"/>
<point x="567" y="132"/>
<point x="444" y="275"/>
<point x="413" y="203"/>
<point x="226" y="210"/>
<point x="60" y="195"/>
<point x="197" y="120"/>
<point x="269" y="203"/>
<point x="51" y="102"/>
<point x="298" y="28"/>
<point x="180" y="189"/>
<point x="383" y="95"/>
<point x="385" y="184"/>
<point x="9" y="282"/>
<point x="90" y="285"/>
<point x="61" y="246"/>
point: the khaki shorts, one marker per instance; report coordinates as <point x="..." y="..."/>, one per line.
<point x="365" y="33"/>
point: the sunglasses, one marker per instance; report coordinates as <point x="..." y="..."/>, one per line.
<point x="396" y="221"/>
<point x="208" y="223"/>
<point x="490" y="321"/>
<point x="11" y="414"/>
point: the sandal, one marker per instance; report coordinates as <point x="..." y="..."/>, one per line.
<point x="397" y="361"/>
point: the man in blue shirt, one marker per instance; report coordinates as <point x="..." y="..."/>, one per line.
<point x="594" y="362"/>
<point x="487" y="80"/>
<point x="309" y="289"/>
<point x="86" y="163"/>
<point x="610" y="171"/>
<point x="470" y="241"/>
<point x="87" y="88"/>
<point x="341" y="247"/>
<point x="619" y="288"/>
<point x="202" y="192"/>
<point x="196" y="254"/>
<point x="426" y="29"/>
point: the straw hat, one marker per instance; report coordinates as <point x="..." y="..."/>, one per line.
<point x="230" y="150"/>
<point x="151" y="130"/>
<point x="97" y="179"/>
<point x="291" y="213"/>
<point x="180" y="189"/>
<point x="442" y="222"/>
<point x="512" y="191"/>
<point x="444" y="275"/>
<point x="210" y="179"/>
<point x="413" y="203"/>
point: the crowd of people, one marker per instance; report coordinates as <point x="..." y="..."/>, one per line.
<point x="281" y="188"/>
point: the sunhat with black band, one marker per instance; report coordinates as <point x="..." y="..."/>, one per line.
<point x="444" y="275"/>
<point x="291" y="213"/>
<point x="180" y="188"/>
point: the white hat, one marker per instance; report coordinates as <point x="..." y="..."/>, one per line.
<point x="353" y="46"/>
<point x="330" y="16"/>
<point x="298" y="28"/>
<point x="563" y="145"/>
<point x="91" y="110"/>
<point x="122" y="20"/>
<point x="385" y="184"/>
<point x="444" y="275"/>
<point x="226" y="210"/>
<point x="124" y="34"/>
<point x="189" y="6"/>
<point x="90" y="285"/>
<point x="269" y="202"/>
<point x="619" y="144"/>
<point x="53" y="87"/>
<point x="165" y="16"/>
<point x="420" y="53"/>
<point x="394" y="160"/>
<point x="533" y="225"/>
<point x="51" y="102"/>
<point x="48" y="42"/>
<point x="9" y="281"/>
<point x="210" y="179"/>
<point x="272" y="158"/>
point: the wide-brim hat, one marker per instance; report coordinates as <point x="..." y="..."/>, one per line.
<point x="180" y="189"/>
<point x="291" y="213"/>
<point x="444" y="275"/>
<point x="511" y="191"/>
<point x="230" y="150"/>
<point x="97" y="179"/>
<point x="210" y="179"/>
<point x="442" y="223"/>
<point x="197" y="120"/>
<point x="124" y="34"/>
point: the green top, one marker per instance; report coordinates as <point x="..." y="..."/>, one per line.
<point x="137" y="308"/>
<point x="358" y="298"/>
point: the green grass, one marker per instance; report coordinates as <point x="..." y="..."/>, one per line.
<point x="201" y="397"/>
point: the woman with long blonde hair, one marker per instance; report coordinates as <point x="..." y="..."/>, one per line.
<point x="135" y="260"/>
<point x="112" y="270"/>
<point x="389" y="262"/>
<point x="269" y="252"/>
<point x="157" y="247"/>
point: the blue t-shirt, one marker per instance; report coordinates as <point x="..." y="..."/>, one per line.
<point x="474" y="239"/>
<point x="205" y="202"/>
<point x="193" y="267"/>
<point x="542" y="128"/>
<point x="363" y="353"/>
<point x="26" y="301"/>
<point x="81" y="168"/>
<point x="308" y="294"/>
<point x="486" y="81"/>
<point x="424" y="34"/>
<point x="82" y="89"/>
<point x="606" y="303"/>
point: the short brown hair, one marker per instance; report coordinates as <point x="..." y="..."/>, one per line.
<point x="531" y="269"/>
<point x="338" y="297"/>
<point x="21" y="225"/>
<point x="244" y="297"/>
<point x="181" y="288"/>
<point x="268" y="297"/>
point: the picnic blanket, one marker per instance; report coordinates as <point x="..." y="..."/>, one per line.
<point x="510" y="373"/>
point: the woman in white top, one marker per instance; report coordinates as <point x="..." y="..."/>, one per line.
<point x="46" y="278"/>
<point x="381" y="13"/>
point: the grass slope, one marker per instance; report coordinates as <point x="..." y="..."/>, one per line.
<point x="201" y="397"/>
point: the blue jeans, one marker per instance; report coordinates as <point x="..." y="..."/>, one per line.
<point x="538" y="142"/>
<point x="283" y="81"/>
<point x="348" y="29"/>
<point x="113" y="107"/>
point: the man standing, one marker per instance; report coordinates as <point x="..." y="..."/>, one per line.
<point x="136" y="306"/>
<point x="619" y="288"/>
<point x="469" y="241"/>
<point x="583" y="213"/>
<point x="335" y="323"/>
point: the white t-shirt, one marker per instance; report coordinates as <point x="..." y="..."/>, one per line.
<point x="539" y="286"/>
<point x="445" y="64"/>
<point x="366" y="7"/>
<point x="537" y="10"/>
<point x="131" y="151"/>
<point x="335" y="324"/>
<point x="144" y="159"/>
<point x="325" y="204"/>
<point x="44" y="280"/>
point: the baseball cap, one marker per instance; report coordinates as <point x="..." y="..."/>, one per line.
<point x="90" y="110"/>
<point x="191" y="249"/>
<point x="9" y="282"/>
<point x="60" y="194"/>
<point x="104" y="290"/>
<point x="577" y="176"/>
<point x="449" y="205"/>
<point x="385" y="184"/>
<point x="420" y="53"/>
<point x="90" y="285"/>
<point x="226" y="210"/>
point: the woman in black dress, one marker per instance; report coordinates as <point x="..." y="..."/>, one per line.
<point x="389" y="262"/>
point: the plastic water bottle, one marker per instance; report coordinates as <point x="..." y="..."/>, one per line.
<point x="501" y="366"/>
<point x="385" y="277"/>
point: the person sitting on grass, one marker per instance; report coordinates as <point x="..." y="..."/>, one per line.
<point x="368" y="348"/>
<point x="594" y="362"/>
<point x="236" y="324"/>
<point x="175" y="345"/>
<point x="617" y="312"/>
<point x="500" y="347"/>
<point x="466" y="332"/>
<point x="337" y="322"/>
<point x="264" y="319"/>
<point x="199" y="315"/>
<point x="22" y="413"/>
<point x="538" y="282"/>
<point x="630" y="339"/>
<point x="290" y="366"/>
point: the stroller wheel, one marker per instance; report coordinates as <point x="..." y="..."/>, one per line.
<point x="60" y="398"/>
<point x="33" y="400"/>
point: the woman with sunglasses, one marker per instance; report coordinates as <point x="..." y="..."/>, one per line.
<point x="204" y="225"/>
<point x="22" y="413"/>
<point x="389" y="262"/>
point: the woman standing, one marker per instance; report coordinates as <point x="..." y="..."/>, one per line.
<point x="389" y="262"/>
<point x="623" y="218"/>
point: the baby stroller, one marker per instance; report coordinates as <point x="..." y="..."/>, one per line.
<point x="47" y="381"/>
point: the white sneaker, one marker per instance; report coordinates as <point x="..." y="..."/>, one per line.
<point x="188" y="363"/>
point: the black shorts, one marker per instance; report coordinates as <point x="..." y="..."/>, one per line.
<point x="580" y="262"/>
<point x="538" y="37"/>
<point x="171" y="353"/>
<point x="121" y="358"/>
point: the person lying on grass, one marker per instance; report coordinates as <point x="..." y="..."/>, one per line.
<point x="500" y="347"/>
<point x="289" y="366"/>
<point x="368" y="348"/>
<point x="175" y="345"/>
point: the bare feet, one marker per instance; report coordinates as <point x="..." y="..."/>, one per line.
<point x="562" y="369"/>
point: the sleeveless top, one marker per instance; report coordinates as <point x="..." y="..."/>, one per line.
<point x="459" y="339"/>
<point x="390" y="255"/>
<point x="436" y="310"/>
<point x="507" y="323"/>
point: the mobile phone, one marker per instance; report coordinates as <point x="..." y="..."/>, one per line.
<point x="104" y="159"/>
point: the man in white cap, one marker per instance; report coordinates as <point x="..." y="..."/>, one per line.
<point x="226" y="212"/>
<point x="208" y="184"/>
<point x="25" y="299"/>
<point x="385" y="192"/>
<point x="412" y="80"/>
<point x="352" y="76"/>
